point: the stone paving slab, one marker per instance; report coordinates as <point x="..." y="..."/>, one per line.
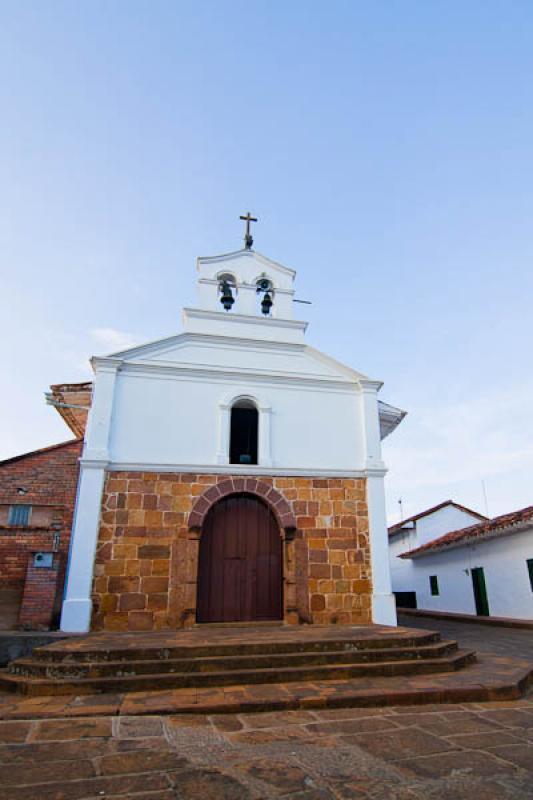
<point x="393" y="753"/>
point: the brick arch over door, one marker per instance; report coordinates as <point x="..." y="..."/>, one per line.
<point x="295" y="553"/>
<point x="265" y="491"/>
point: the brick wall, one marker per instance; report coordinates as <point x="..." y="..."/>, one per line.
<point x="40" y="588"/>
<point x="50" y="477"/>
<point x="146" y="562"/>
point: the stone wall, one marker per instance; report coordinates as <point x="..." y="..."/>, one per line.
<point x="147" y="554"/>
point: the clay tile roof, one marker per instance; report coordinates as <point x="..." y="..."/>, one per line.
<point x="488" y="529"/>
<point x="399" y="525"/>
<point x="72" y="401"/>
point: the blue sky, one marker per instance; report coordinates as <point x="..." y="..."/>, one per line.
<point x="386" y="148"/>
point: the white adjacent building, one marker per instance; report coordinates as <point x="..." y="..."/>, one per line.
<point x="452" y="559"/>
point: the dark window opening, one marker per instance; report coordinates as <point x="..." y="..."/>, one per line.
<point x="243" y="434"/>
<point x="434" y="584"/>
<point x="19" y="515"/>
<point x="530" y="570"/>
<point x="405" y="599"/>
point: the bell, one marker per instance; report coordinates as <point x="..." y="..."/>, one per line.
<point x="227" y="298"/>
<point x="266" y="303"/>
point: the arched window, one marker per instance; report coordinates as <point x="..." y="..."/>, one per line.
<point x="244" y="429"/>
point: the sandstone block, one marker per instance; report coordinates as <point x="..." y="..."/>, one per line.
<point x="154" y="551"/>
<point x="157" y="602"/>
<point x="161" y="566"/>
<point x="318" y="602"/>
<point x="153" y="519"/>
<point x="133" y="567"/>
<point x="115" y="567"/>
<point x="131" y="601"/>
<point x="108" y="602"/>
<point x="154" y="585"/>
<point x="118" y="585"/>
<point x="320" y="570"/>
<point x="140" y="620"/>
<point x="125" y="551"/>
<point x="116" y="621"/>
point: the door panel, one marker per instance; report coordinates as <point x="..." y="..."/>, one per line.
<point x="240" y="563"/>
<point x="480" y="592"/>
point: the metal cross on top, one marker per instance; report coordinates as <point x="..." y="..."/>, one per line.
<point x="248" y="239"/>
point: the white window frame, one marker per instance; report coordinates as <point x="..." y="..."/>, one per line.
<point x="264" y="410"/>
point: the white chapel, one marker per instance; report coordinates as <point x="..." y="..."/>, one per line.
<point x="231" y="472"/>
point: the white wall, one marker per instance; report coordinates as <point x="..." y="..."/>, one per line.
<point x="401" y="571"/>
<point x="175" y="420"/>
<point x="506" y="577"/>
<point x="443" y="521"/>
<point x="425" y="529"/>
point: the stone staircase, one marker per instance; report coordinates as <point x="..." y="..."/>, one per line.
<point x="227" y="657"/>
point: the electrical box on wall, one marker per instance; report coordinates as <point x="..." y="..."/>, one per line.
<point x="45" y="560"/>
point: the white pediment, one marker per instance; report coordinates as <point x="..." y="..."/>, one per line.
<point x="244" y="356"/>
<point x="247" y="266"/>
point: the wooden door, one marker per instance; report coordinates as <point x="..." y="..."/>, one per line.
<point x="240" y="563"/>
<point x="480" y="592"/>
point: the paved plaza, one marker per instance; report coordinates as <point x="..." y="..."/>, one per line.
<point x="401" y="753"/>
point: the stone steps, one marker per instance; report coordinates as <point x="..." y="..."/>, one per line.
<point x="203" y="659"/>
<point x="40" y="668"/>
<point x="139" y="648"/>
<point x="150" y="682"/>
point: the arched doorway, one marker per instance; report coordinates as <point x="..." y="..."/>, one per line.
<point x="240" y="563"/>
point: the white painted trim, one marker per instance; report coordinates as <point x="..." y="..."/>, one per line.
<point x="211" y="374"/>
<point x="249" y="319"/>
<point x="77" y="607"/>
<point x="245" y="253"/>
<point x="383" y="602"/>
<point x="159" y="346"/>
<point x="368" y="409"/>
<point x="343" y="369"/>
<point x="100" y="414"/>
<point x="264" y="408"/>
<point x="242" y="393"/>
<point x="242" y="469"/>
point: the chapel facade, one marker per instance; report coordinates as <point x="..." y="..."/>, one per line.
<point x="231" y="472"/>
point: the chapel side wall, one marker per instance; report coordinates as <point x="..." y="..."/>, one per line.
<point x="146" y="562"/>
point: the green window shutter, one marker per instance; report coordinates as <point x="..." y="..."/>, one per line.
<point x="529" y="563"/>
<point x="434" y="584"/>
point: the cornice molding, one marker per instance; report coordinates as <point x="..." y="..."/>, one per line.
<point x="238" y="469"/>
<point x="94" y="463"/>
<point x="245" y="319"/>
<point x="106" y="363"/>
<point x="370" y="386"/>
<point x="252" y="376"/>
